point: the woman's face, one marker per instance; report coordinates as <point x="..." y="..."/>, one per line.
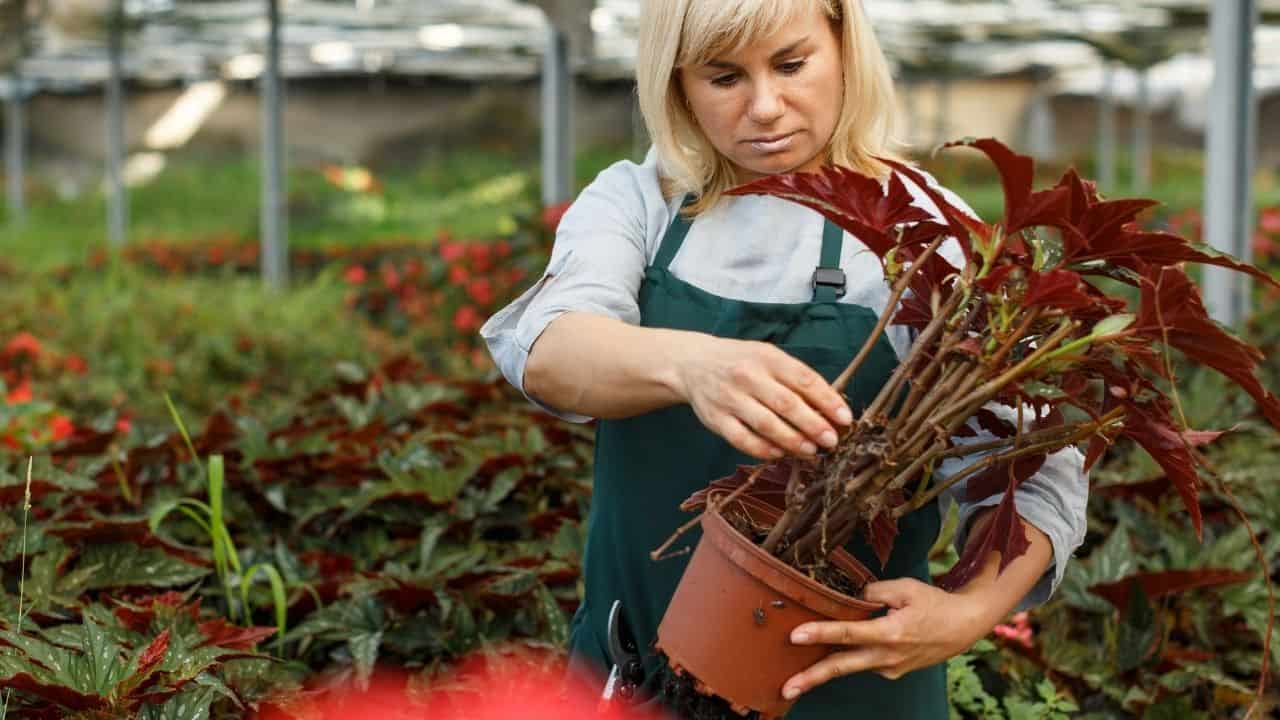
<point x="773" y="106"/>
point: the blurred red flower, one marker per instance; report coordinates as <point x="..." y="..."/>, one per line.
<point x="481" y="290"/>
<point x="22" y="343"/>
<point x="458" y="275"/>
<point x="61" y="427"/>
<point x="1269" y="220"/>
<point x="452" y="251"/>
<point x="553" y="214"/>
<point x="467" y="319"/>
<point x="20" y="394"/>
<point x="76" y="364"/>
<point x="355" y="275"/>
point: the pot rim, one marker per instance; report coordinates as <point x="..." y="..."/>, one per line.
<point x="776" y="573"/>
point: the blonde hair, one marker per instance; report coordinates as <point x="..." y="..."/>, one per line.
<point x="684" y="33"/>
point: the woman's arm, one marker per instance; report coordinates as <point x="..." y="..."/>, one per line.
<point x="925" y="625"/>
<point x="760" y="399"/>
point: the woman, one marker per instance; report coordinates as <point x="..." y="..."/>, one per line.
<point x="697" y="329"/>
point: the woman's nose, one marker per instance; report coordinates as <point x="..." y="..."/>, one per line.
<point x="766" y="103"/>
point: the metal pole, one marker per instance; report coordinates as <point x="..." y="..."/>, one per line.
<point x="1142" y="134"/>
<point x="1232" y="130"/>
<point x="1040" y="129"/>
<point x="275" y="257"/>
<point x="117" y="200"/>
<point x="1107" y="130"/>
<point x="557" y="137"/>
<point x="14" y="140"/>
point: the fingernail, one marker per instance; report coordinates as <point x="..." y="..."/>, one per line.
<point x="828" y="439"/>
<point x="790" y="693"/>
<point x="799" y="636"/>
<point x="809" y="448"/>
<point x="844" y="416"/>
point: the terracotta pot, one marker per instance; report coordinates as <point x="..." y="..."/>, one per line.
<point x="729" y="623"/>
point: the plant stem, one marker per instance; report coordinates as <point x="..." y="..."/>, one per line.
<point x="711" y="505"/>
<point x="898" y="289"/>
<point x="1073" y="435"/>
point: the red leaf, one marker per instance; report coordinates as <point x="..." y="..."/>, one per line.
<point x="1151" y="426"/>
<point x="220" y="633"/>
<point x="993" y="479"/>
<point x="154" y="653"/>
<point x="1168" y="295"/>
<point x="1157" y="584"/>
<point x="58" y="694"/>
<point x="1022" y="207"/>
<point x="855" y="202"/>
<point x="1004" y="533"/>
<point x="881" y="531"/>
<point x="1060" y="289"/>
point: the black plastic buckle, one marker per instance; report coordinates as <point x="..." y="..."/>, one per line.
<point x="829" y="277"/>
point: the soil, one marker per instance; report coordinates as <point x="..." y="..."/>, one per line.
<point x="682" y="699"/>
<point x="824" y="573"/>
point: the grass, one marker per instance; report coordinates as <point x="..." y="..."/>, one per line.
<point x="471" y="193"/>
<point x="203" y="339"/>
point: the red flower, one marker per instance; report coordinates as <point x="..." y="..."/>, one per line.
<point x="1264" y="247"/>
<point x="452" y="251"/>
<point x="355" y="275"/>
<point x="481" y="257"/>
<point x="458" y="275"/>
<point x="23" y="343"/>
<point x="552" y="214"/>
<point x="467" y="319"/>
<point x="123" y="425"/>
<point x="1018" y="631"/>
<point x="515" y="275"/>
<point x="1269" y="220"/>
<point x="61" y="428"/>
<point x="502" y="248"/>
<point x="76" y="364"/>
<point x="390" y="277"/>
<point x="20" y="394"/>
<point x="481" y="290"/>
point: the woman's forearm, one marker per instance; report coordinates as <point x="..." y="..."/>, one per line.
<point x="607" y="368"/>
<point x="999" y="596"/>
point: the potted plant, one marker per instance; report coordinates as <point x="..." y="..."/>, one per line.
<point x="1025" y="322"/>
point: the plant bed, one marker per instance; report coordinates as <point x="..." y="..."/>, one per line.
<point x="1033" y="339"/>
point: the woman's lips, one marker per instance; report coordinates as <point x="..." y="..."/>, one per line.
<point x="778" y="144"/>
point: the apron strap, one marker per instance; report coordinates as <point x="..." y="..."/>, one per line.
<point x="828" y="278"/>
<point x="674" y="237"/>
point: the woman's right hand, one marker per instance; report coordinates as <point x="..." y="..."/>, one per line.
<point x="763" y="401"/>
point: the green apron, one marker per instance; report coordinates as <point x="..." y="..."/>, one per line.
<point x="646" y="465"/>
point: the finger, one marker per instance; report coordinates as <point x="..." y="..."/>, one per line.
<point x="814" y="388"/>
<point x="765" y="421"/>
<point x="884" y="630"/>
<point x="747" y="440"/>
<point x="895" y="593"/>
<point x="797" y="414"/>
<point x="833" y="666"/>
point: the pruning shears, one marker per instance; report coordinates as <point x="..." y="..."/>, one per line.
<point x="627" y="674"/>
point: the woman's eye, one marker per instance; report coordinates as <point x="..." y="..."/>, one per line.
<point x="723" y="80"/>
<point x="791" y="68"/>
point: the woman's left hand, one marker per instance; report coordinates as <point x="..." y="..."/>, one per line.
<point x="924" y="626"/>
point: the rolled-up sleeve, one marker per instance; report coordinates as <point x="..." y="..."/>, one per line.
<point x="596" y="266"/>
<point x="1053" y="500"/>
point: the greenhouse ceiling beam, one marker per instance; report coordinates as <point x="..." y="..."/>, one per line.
<point x="1230" y="140"/>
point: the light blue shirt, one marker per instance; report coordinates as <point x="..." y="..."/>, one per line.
<point x="758" y="249"/>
